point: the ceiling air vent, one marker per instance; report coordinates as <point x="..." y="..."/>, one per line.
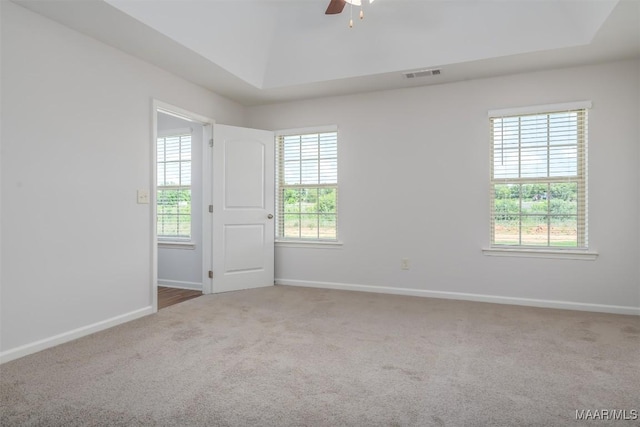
<point x="421" y="73"/>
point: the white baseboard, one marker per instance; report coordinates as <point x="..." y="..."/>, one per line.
<point x="179" y="284"/>
<point x="565" y="305"/>
<point x="55" y="340"/>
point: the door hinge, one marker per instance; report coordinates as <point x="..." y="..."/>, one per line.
<point x="210" y="208"/>
<point x="211" y="142"/>
<point x="210" y="274"/>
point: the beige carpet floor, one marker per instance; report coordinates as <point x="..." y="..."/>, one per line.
<point x="287" y="356"/>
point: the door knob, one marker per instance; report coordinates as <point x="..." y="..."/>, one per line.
<point x="270" y="216"/>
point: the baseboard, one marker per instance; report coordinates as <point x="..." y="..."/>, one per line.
<point x="55" y="340"/>
<point x="565" y="305"/>
<point x="179" y="284"/>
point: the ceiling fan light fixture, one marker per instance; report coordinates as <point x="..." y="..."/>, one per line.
<point x="336" y="6"/>
<point x="357" y="2"/>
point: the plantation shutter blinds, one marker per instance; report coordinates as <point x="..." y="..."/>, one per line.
<point x="174" y="187"/>
<point x="539" y="177"/>
<point x="307" y="186"/>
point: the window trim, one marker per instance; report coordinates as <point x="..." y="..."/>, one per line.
<point x="539" y="109"/>
<point x="282" y="241"/>
<point x="176" y="244"/>
<point x="579" y="252"/>
<point x="317" y="244"/>
<point x="530" y="252"/>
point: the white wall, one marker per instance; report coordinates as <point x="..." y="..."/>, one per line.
<point x="179" y="266"/>
<point x="414" y="172"/>
<point x="76" y="145"/>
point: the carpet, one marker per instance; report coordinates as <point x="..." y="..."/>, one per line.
<point x="289" y="356"/>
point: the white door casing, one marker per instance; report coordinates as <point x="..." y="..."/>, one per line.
<point x="243" y="208"/>
<point x="207" y="123"/>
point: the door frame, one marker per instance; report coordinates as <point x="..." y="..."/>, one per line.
<point x="207" y="192"/>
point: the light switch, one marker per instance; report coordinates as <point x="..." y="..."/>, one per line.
<point x="143" y="197"/>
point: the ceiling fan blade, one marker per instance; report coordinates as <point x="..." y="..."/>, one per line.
<point x="335" y="6"/>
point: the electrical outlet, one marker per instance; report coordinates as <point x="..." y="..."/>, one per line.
<point x="143" y="197"/>
<point x="404" y="264"/>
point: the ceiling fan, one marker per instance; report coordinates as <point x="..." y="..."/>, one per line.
<point x="337" y="6"/>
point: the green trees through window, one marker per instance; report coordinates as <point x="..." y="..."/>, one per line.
<point x="174" y="213"/>
<point x="309" y="213"/>
<point x="536" y="214"/>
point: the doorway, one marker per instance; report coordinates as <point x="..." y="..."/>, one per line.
<point x="181" y="191"/>
<point x="236" y="209"/>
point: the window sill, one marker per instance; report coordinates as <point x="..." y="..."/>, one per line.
<point x="176" y="245"/>
<point x="318" y="244"/>
<point x="576" y="254"/>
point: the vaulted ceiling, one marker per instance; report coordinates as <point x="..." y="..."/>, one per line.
<point x="260" y="51"/>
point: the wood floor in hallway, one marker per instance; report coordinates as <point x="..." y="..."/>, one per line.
<point x="170" y="296"/>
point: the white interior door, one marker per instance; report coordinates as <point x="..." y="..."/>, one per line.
<point x="243" y="208"/>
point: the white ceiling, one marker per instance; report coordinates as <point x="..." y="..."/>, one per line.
<point x="261" y="51"/>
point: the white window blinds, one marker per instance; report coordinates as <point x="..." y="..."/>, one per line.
<point x="539" y="179"/>
<point x="174" y="187"/>
<point x="307" y="186"/>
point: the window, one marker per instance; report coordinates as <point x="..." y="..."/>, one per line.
<point x="307" y="186"/>
<point x="174" y="187"/>
<point x="539" y="178"/>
